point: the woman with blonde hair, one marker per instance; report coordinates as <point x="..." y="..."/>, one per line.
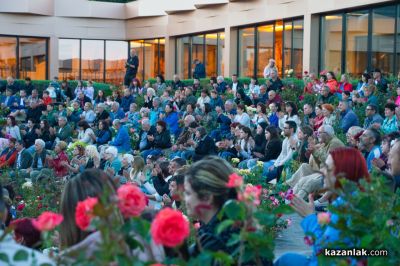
<point x="93" y="157"/>
<point x="137" y="169"/>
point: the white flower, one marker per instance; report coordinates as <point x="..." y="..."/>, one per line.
<point x="27" y="185"/>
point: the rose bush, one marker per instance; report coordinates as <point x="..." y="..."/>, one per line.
<point x="131" y="200"/>
<point x="84" y="213"/>
<point x="47" y="221"/>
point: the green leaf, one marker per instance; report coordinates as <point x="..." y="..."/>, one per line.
<point x="265" y="219"/>
<point x="235" y="238"/>
<point x="21" y="255"/>
<point x="224" y="225"/>
<point x="366" y="240"/>
<point x="234" y="210"/>
<point x="283" y="209"/>
<point x="4" y="257"/>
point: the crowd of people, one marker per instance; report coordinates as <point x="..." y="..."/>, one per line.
<point x="151" y="144"/>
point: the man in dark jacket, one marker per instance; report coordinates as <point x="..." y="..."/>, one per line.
<point x="177" y="83"/>
<point x="205" y="146"/>
<point x="143" y="143"/>
<point x="199" y="69"/>
<point x="127" y="100"/>
<point x="132" y="65"/>
<point x="64" y="132"/>
<point x="24" y="157"/>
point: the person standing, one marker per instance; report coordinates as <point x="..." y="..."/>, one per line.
<point x="132" y="65"/>
<point x="199" y="70"/>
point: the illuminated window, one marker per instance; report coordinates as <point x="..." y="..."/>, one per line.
<point x="246" y="52"/>
<point x="68" y="59"/>
<point x="92" y="62"/>
<point x="116" y="56"/>
<point x="265" y="47"/>
<point x="8" y="61"/>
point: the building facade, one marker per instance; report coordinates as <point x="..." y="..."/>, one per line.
<point x="80" y="39"/>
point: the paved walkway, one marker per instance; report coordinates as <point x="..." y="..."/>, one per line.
<point x="292" y="238"/>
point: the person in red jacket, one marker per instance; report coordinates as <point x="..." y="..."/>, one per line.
<point x="55" y="162"/>
<point x="344" y="84"/>
<point x="9" y="154"/>
<point x="332" y="82"/>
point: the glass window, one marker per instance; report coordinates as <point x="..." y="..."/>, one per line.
<point x="221" y="51"/>
<point x="161" y="59"/>
<point x="93" y="60"/>
<point x="383" y="26"/>
<point x="116" y="56"/>
<point x="265" y="47"/>
<point x="182" y="57"/>
<point x="8" y="54"/>
<point x="32" y="58"/>
<point x="68" y="59"/>
<point x="287" y="47"/>
<point x="331" y="42"/>
<point x="278" y="45"/>
<point x="138" y="46"/>
<point x="397" y="40"/>
<point x="357" y="42"/>
<point x="211" y="54"/>
<point x="297" y="56"/>
<point x="197" y="49"/>
<point x="150" y="59"/>
<point x="246" y="52"/>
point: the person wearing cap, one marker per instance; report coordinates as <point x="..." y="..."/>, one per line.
<point x="372" y="117"/>
<point x="380" y="82"/>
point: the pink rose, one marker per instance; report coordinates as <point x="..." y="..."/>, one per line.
<point x="169" y="228"/>
<point x="47" y="221"/>
<point x="324" y="218"/>
<point x="235" y="181"/>
<point x="251" y="194"/>
<point x="21" y="206"/>
<point x="131" y="200"/>
<point x="84" y="213"/>
<point x="308" y="240"/>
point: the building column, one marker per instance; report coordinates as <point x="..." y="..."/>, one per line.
<point x="53" y="57"/>
<point x="310" y="43"/>
<point x="230" y="52"/>
<point x="169" y="57"/>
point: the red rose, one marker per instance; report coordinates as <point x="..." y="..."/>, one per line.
<point x="20" y="206"/>
<point x="39" y="206"/>
<point x="169" y="228"/>
<point x="131" y="200"/>
<point x="84" y="212"/>
<point x="47" y="221"/>
<point x="235" y="180"/>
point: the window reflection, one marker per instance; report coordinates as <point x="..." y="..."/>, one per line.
<point x="278" y="45"/>
<point x="331" y="42"/>
<point x="68" y="59"/>
<point x="357" y="42"/>
<point x="8" y="61"/>
<point x="93" y="60"/>
<point x="287" y="49"/>
<point x="221" y="51"/>
<point x="150" y="58"/>
<point x="246" y="52"/>
<point x="265" y="47"/>
<point x="211" y="54"/>
<point x="161" y="59"/>
<point x="32" y="58"/>
<point x="182" y="57"/>
<point x="297" y="57"/>
<point x="383" y="27"/>
<point x="197" y="50"/>
<point x="116" y="56"/>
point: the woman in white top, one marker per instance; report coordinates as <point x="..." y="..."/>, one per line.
<point x="291" y="113"/>
<point x="12" y="129"/>
<point x="254" y="88"/>
<point x="89" y="90"/>
<point x="246" y="143"/>
<point x="242" y="117"/>
<point x="88" y="114"/>
<point x="85" y="132"/>
<point x="204" y="98"/>
<point x="79" y="88"/>
<point x="261" y="115"/>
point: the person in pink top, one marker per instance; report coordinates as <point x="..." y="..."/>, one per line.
<point x="344" y="84"/>
<point x="397" y="101"/>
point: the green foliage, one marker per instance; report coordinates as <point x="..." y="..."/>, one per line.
<point x="369" y="219"/>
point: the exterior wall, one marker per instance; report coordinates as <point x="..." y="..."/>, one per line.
<point x="145" y="19"/>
